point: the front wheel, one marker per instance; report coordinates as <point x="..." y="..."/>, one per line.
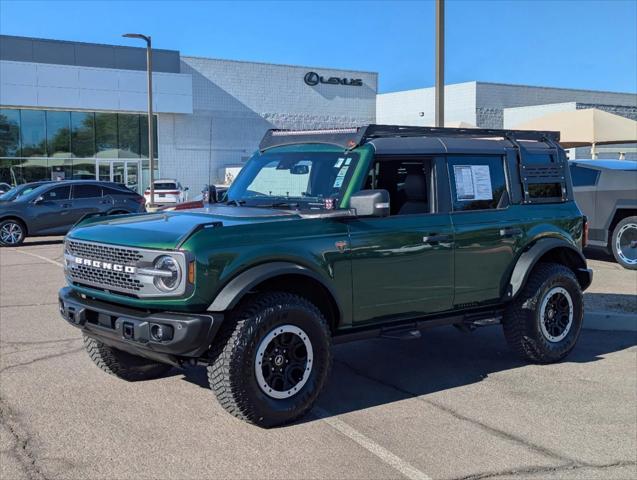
<point x="271" y="360"/>
<point x="624" y="243"/>
<point x="544" y="322"/>
<point x="12" y="233"/>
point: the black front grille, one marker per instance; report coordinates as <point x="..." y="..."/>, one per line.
<point x="106" y="278"/>
<point x="124" y="256"/>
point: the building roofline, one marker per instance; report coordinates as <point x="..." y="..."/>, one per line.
<point x="73" y="42"/>
<point x="198" y="57"/>
<point x="518" y="85"/>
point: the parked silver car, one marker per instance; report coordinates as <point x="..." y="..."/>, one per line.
<point x="606" y="192"/>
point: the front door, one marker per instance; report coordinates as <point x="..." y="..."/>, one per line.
<point x="402" y="265"/>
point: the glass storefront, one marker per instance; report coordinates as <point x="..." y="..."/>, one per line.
<point x="62" y="145"/>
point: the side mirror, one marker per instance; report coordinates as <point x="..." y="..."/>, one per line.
<point x="370" y="203"/>
<point x="186" y="189"/>
<point x="300" y="170"/>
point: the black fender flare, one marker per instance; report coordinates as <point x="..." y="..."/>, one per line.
<point x="236" y="288"/>
<point x="530" y="257"/>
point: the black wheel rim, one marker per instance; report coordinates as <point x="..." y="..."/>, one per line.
<point x="283" y="361"/>
<point x="556" y="314"/>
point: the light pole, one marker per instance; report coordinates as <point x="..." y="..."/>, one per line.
<point x="440" y="64"/>
<point x="151" y="136"/>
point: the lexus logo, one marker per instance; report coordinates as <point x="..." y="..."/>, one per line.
<point x="313" y="79"/>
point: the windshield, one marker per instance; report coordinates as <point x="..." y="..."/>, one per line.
<point x="17" y="192"/>
<point x="303" y="180"/>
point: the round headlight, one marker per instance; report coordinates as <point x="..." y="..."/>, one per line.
<point x="170" y="280"/>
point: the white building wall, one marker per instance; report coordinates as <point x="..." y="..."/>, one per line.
<point x="512" y="117"/>
<point x="416" y="107"/>
<point x="234" y="103"/>
<point x="40" y="85"/>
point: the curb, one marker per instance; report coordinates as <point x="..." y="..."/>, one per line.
<point x="613" y="321"/>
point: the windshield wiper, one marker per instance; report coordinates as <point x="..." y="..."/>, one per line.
<point x="237" y="203"/>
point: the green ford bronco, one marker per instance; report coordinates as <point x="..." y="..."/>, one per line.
<point x="329" y="236"/>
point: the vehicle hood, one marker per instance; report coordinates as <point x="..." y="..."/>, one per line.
<point x="167" y="230"/>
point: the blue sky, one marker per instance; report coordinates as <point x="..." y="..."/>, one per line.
<point x="570" y="43"/>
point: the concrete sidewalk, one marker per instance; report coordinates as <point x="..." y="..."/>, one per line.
<point x="611" y="301"/>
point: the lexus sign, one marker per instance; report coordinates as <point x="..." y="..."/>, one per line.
<point x="313" y="79"/>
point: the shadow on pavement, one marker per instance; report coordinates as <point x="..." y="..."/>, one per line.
<point x="598" y="254"/>
<point x="610" y="302"/>
<point x="34" y="243"/>
<point x="376" y="372"/>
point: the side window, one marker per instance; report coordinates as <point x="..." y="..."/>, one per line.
<point x="583" y="177"/>
<point x="477" y="182"/>
<point x="59" y="193"/>
<point x="86" y="191"/>
<point x="408" y="181"/>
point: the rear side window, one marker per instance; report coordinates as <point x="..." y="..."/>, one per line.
<point x="477" y="182"/>
<point x="583" y="177"/>
<point x="59" y="193"/>
<point x="86" y="191"/>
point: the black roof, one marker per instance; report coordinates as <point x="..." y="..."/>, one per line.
<point x="405" y="139"/>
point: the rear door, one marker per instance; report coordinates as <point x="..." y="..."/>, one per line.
<point x="86" y="198"/>
<point x="486" y="227"/>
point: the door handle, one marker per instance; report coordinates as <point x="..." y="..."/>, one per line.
<point x="435" y="239"/>
<point x="511" y="232"/>
<point x="66" y="205"/>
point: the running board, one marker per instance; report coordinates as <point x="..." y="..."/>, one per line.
<point x="410" y="330"/>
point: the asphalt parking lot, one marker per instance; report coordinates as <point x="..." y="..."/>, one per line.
<point x="446" y="406"/>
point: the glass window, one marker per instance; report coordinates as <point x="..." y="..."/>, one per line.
<point x="33" y="133"/>
<point x="143" y="122"/>
<point x="106" y="135"/>
<point x="9" y="132"/>
<point x="128" y="129"/>
<point x="83" y="169"/>
<point x="583" y="177"/>
<point x="477" y="182"/>
<point x="58" y="134"/>
<point x="165" y="186"/>
<point x="58" y="193"/>
<point x="7" y="173"/>
<point x="86" y="191"/>
<point x="34" y="170"/>
<point x="60" y="169"/>
<point x="82" y="134"/>
<point x="114" y="191"/>
<point x="545" y="190"/>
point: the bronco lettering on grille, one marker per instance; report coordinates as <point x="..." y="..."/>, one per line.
<point x="116" y="267"/>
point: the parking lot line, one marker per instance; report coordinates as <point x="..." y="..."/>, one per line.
<point x="39" y="256"/>
<point x="404" y="467"/>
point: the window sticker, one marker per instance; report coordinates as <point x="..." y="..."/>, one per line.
<point x="339" y="162"/>
<point x="340" y="176"/>
<point x="473" y="182"/>
<point x="338" y="182"/>
<point x="348" y="161"/>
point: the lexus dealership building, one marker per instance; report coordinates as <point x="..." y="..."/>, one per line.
<point x="77" y="110"/>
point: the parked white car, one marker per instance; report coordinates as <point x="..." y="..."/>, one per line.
<point x="167" y="192"/>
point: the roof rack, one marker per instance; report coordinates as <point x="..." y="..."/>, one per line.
<point x="352" y="137"/>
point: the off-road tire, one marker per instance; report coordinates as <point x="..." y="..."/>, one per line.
<point x="122" y="364"/>
<point x="621" y="227"/>
<point x="232" y="374"/>
<point x="23" y="229"/>
<point x="522" y="321"/>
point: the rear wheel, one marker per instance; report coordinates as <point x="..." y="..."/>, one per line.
<point x="544" y="322"/>
<point x="624" y="243"/>
<point x="271" y="359"/>
<point x="12" y="232"/>
<point x="122" y="364"/>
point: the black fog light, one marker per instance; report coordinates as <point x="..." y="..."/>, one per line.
<point x="160" y="332"/>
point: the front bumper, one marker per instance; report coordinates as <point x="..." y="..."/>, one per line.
<point x="183" y="336"/>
